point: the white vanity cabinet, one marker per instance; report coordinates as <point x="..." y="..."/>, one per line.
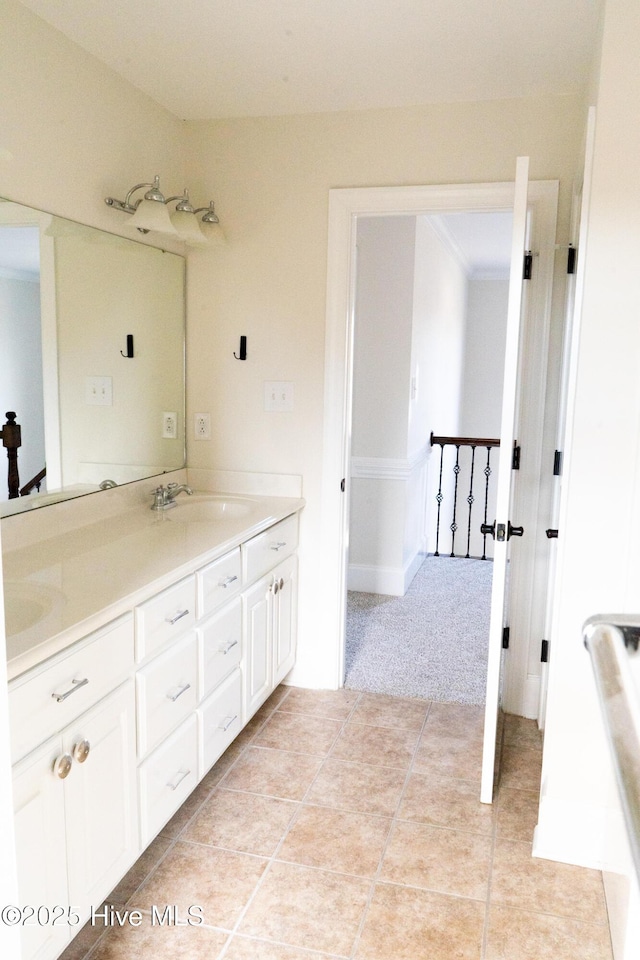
<point x="269" y="608"/>
<point x="75" y="810"/>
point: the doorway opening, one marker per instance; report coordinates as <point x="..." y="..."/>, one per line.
<point x="431" y="296"/>
<point x="521" y="685"/>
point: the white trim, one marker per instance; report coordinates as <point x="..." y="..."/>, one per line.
<point x="384" y="468"/>
<point x="389" y="581"/>
<point x="570" y="833"/>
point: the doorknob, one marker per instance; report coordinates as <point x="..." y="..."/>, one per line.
<point x="488" y="529"/>
<point x="514" y="531"/>
<point x="552" y="534"/>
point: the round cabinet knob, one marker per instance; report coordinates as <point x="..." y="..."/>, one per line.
<point x="62" y="766"/>
<point x="81" y="751"/>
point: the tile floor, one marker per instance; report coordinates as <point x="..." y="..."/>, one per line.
<point x="347" y="825"/>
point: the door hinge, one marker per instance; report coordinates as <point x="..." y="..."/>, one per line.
<point x="571" y="259"/>
<point x="505" y="638"/>
<point x="528" y="265"/>
<point x="557" y="463"/>
<point x="515" y="459"/>
<point x="343" y="484"/>
<point x="544" y="652"/>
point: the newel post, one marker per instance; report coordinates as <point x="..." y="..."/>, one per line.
<point x="11" y="439"/>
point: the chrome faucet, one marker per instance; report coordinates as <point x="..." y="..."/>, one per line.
<point x="165" y="497"/>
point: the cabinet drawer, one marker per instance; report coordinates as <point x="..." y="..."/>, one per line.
<point x="266" y="550"/>
<point x="219" y="718"/>
<point x="167" y="692"/>
<point x="165" y="617"/>
<point x="52" y="695"/>
<point x="220" y="640"/>
<point x="167" y="777"/>
<point x="218" y="582"/>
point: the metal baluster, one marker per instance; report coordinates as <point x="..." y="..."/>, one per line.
<point x="470" y="500"/>
<point x="439" y="498"/>
<point x="487" y="473"/>
<point x="454" y="525"/>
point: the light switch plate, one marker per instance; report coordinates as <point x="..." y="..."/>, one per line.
<point x="278" y="395"/>
<point x="99" y="391"/>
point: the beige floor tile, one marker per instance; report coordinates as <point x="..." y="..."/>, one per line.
<point x="244" y="948"/>
<point x="406" y="924"/>
<point x="382" y="746"/>
<point x="242" y="821"/>
<point x="543" y="886"/>
<point x="333" y="840"/>
<point x="218" y="881"/>
<point x="517" y="813"/>
<point x="446" y="861"/>
<point x="140" y="870"/>
<point x="448" y="756"/>
<point x="87" y="937"/>
<point x="517" y="935"/>
<point x="461" y="720"/>
<point x="357" y="787"/>
<point x="521" y="765"/>
<point x="277" y="773"/>
<point x="519" y="728"/>
<point x="307" y="908"/>
<point x="444" y="802"/>
<point x="333" y="704"/>
<point x="299" y="733"/>
<point x="161" y="943"/>
<point x="383" y="711"/>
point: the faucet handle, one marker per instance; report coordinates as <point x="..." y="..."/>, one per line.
<point x="159" y="498"/>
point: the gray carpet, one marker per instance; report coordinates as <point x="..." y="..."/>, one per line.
<point x="431" y="643"/>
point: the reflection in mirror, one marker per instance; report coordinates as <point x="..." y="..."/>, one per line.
<point x="92" y="328"/>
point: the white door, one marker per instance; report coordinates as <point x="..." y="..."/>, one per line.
<point x="503" y="521"/>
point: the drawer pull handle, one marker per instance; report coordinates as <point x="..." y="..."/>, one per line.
<point x="81" y="751"/>
<point x="275" y="586"/>
<point x="282" y="583"/>
<point x="181" y="776"/>
<point x="179" y="615"/>
<point x="226" y="723"/>
<point x="279" y="545"/>
<point x="59" y="697"/>
<point x="62" y="766"/>
<point x="227" y="581"/>
<point x="174" y="697"/>
<point x="225" y="647"/>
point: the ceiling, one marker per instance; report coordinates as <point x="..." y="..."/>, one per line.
<point x="482" y="241"/>
<point x="205" y="59"/>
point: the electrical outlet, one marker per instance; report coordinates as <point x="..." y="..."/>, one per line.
<point x="278" y="395"/>
<point x="169" y="426"/>
<point x="202" y="426"/>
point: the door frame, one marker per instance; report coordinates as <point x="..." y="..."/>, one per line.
<point x="345" y="206"/>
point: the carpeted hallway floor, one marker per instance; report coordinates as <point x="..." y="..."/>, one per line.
<point x="431" y="643"/>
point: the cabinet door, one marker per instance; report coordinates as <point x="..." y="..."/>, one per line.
<point x="284" y="618"/>
<point x="39" y="824"/>
<point x="257" y="645"/>
<point x="100" y="798"/>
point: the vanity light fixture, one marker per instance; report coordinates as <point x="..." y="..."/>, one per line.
<point x="151" y="213"/>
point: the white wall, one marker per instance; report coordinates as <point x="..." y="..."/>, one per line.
<point x="481" y="405"/>
<point x="599" y="546"/>
<point x="21" y="374"/>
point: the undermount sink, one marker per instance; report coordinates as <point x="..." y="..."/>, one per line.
<point x="26" y="604"/>
<point x="203" y="508"/>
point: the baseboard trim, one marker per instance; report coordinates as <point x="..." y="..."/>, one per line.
<point x="390" y="581"/>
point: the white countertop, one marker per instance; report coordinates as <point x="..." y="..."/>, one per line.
<point x="60" y="589"/>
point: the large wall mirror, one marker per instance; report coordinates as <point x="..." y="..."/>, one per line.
<point x="92" y="361"/>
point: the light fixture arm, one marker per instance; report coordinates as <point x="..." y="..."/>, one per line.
<point x="210" y="215"/>
<point x="127" y="207"/>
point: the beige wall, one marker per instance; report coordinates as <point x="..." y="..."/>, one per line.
<point x="271" y="178"/>
<point x="71" y="131"/>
